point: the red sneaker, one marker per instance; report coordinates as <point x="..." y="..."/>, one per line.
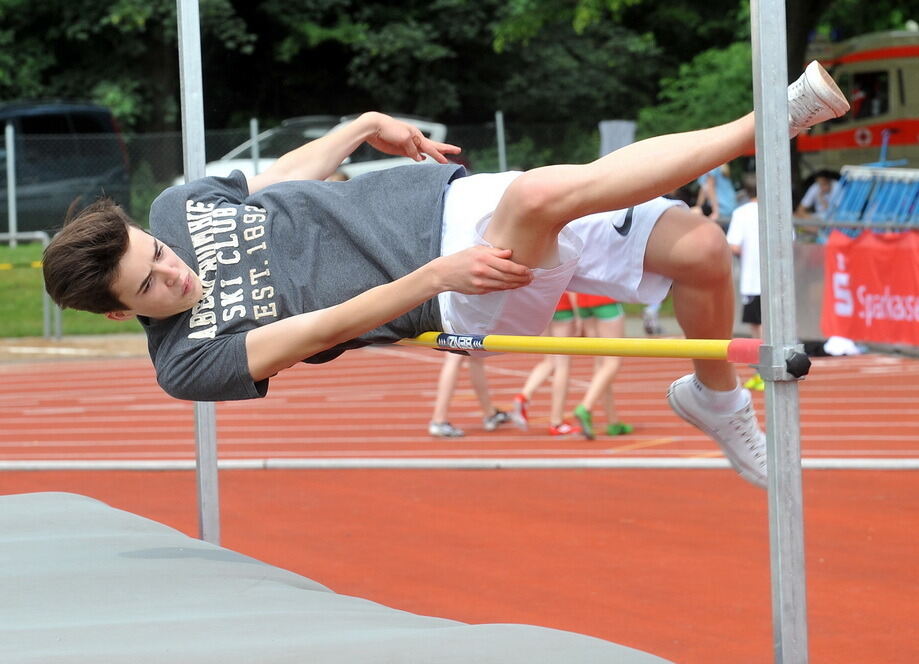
<point x="563" y="429"/>
<point x="519" y="412"/>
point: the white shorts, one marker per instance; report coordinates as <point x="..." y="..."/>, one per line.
<point x="600" y="254"/>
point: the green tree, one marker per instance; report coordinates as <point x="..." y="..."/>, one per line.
<point x="801" y="18"/>
<point x="847" y="18"/>
<point x="715" y="87"/>
<point x="437" y="59"/>
<point x="538" y="60"/>
<point x="680" y="28"/>
<point x="605" y="71"/>
<point x="121" y="53"/>
<point x="416" y="56"/>
<point x="702" y="87"/>
<point x="697" y="58"/>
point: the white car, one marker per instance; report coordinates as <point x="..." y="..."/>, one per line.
<point x="294" y="132"/>
<point x="366" y="159"/>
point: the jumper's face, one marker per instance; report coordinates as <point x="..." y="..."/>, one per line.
<point x="152" y="280"/>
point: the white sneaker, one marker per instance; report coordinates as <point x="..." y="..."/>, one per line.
<point x="651" y="323"/>
<point x="444" y="430"/>
<point x="495" y="420"/>
<point x="814" y="98"/>
<point x="738" y="434"/>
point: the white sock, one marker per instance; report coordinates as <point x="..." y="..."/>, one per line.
<point x="729" y="401"/>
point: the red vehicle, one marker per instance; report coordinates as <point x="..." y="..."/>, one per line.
<point x="879" y="73"/>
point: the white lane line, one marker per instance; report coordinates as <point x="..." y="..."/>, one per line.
<point x="30" y="413"/>
<point x="677" y="463"/>
<point x="232" y="438"/>
<point x="63" y="350"/>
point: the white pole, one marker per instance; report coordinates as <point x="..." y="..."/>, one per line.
<point x="253" y="137"/>
<point x="193" y="148"/>
<point x="773" y="175"/>
<point x="13" y="224"/>
<point x="502" y="149"/>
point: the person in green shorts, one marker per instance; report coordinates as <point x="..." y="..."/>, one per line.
<point x="601" y="317"/>
<point x="564" y="324"/>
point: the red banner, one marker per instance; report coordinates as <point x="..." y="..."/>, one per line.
<point x="871" y="287"/>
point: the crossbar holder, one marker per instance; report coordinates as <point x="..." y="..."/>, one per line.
<point x="783" y="363"/>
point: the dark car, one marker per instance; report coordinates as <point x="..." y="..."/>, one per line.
<point x="63" y="152"/>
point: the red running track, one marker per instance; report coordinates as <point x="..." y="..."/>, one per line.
<point x="377" y="402"/>
<point x="673" y="562"/>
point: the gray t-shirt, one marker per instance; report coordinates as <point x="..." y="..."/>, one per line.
<point x="290" y="248"/>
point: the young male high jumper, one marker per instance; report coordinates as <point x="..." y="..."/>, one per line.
<point x="240" y="278"/>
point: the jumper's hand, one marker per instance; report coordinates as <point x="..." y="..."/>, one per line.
<point x="480" y="269"/>
<point x="406" y="140"/>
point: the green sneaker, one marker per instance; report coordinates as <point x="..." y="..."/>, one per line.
<point x="586" y="420"/>
<point x="619" y="429"/>
<point x="755" y="383"/>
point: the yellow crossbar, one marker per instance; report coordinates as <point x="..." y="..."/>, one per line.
<point x="733" y="350"/>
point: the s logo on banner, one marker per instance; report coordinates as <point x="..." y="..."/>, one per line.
<point x="843" y="303"/>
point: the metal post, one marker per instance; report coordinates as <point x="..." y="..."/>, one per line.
<point x="502" y="150"/>
<point x="46" y="304"/>
<point x="45" y="315"/>
<point x="50" y="311"/>
<point x="253" y="136"/>
<point x="773" y="174"/>
<point x="58" y="325"/>
<point x="194" y="160"/>
<point x="13" y="224"/>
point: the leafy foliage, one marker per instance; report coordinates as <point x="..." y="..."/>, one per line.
<point x="119" y="53"/>
<point x="414" y="57"/>
<point x="437" y="59"/>
<point x="714" y="88"/>
<point x="695" y="58"/>
<point x="604" y="72"/>
<point x="522" y="20"/>
<point x="847" y="18"/>
<point x="538" y="60"/>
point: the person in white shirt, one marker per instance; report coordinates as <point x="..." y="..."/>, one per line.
<point x="817" y="198"/>
<point x="743" y="238"/>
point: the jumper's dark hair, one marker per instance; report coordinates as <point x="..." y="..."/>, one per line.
<point x="81" y="262"/>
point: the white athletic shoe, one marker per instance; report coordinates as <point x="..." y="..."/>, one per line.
<point x="444" y="430"/>
<point x="651" y="322"/>
<point x="814" y="98"/>
<point x="738" y="434"/>
<point x="495" y="420"/>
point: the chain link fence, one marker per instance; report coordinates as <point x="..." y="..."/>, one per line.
<point x="54" y="170"/>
